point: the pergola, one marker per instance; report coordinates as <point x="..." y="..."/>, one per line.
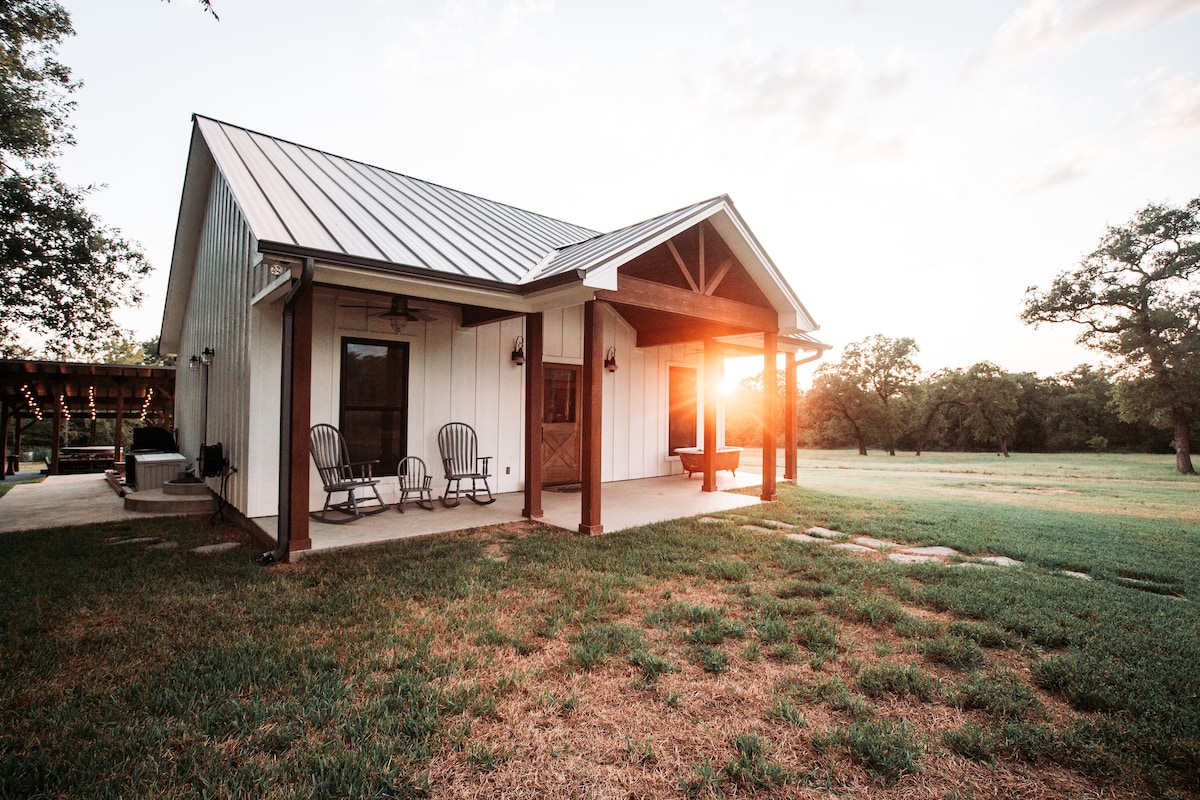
<point x="31" y="391"/>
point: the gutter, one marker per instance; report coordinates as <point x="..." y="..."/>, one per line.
<point x="283" y="536"/>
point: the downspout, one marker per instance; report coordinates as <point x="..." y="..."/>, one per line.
<point x="284" y="531"/>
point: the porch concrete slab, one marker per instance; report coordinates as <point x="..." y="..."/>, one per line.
<point x="625" y="504"/>
<point x="62" y="500"/>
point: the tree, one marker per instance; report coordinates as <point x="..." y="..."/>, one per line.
<point x="1137" y="298"/>
<point x="62" y="272"/>
<point x="884" y="368"/>
<point x="992" y="403"/>
<point x="928" y="402"/>
<point x="839" y="405"/>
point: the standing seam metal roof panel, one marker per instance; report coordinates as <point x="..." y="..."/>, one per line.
<point x="305" y="227"/>
<point x="260" y="214"/>
<point x="325" y="174"/>
<point x="294" y="194"/>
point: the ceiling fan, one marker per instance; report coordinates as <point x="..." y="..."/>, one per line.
<point x="399" y="313"/>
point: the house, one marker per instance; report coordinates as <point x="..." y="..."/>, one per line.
<point x="306" y="287"/>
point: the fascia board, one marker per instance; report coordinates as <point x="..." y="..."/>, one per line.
<point x="197" y="183"/>
<point x="738" y="236"/>
<point x="603" y="275"/>
<point x="340" y="276"/>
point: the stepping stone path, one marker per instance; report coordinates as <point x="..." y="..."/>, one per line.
<point x="154" y="543"/>
<point x="868" y="544"/>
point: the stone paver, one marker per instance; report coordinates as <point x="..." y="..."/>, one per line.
<point x="912" y="558"/>
<point x="854" y="548"/>
<point x="758" y="529"/>
<point x="1002" y="561"/>
<point x="802" y="537"/>
<point x="713" y="520"/>
<point x="824" y="533"/>
<point x="1083" y="576"/>
<point x="212" y="549"/>
<point x="163" y="546"/>
<point x="972" y="565"/>
<point x="945" y="552"/>
<point x="873" y="543"/>
<point x="774" y="523"/>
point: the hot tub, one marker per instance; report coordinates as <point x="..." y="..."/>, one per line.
<point x="692" y="458"/>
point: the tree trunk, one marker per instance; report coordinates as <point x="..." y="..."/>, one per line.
<point x="1004" y="446"/>
<point x="1183" y="451"/>
<point x="862" y="447"/>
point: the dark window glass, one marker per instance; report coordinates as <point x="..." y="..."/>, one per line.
<point x="682" y="418"/>
<point x="374" y="416"/>
<point x="560" y="394"/>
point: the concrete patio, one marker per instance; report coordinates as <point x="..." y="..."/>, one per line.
<point x="63" y="500"/>
<point x="627" y="504"/>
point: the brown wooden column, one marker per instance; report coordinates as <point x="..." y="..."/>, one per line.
<point x="712" y="368"/>
<point x="119" y="427"/>
<point x="593" y="408"/>
<point x="4" y="415"/>
<point x="56" y="441"/>
<point x="770" y="343"/>
<point x="300" y="394"/>
<point x="789" y="417"/>
<point x="534" y="400"/>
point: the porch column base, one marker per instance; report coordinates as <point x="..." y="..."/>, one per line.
<point x="590" y="530"/>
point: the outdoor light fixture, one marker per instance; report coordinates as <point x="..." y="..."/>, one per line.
<point x="610" y="360"/>
<point x="206" y="356"/>
<point x="194" y="363"/>
<point x="518" y="353"/>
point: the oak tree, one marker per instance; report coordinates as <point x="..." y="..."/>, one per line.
<point x="1137" y="298"/>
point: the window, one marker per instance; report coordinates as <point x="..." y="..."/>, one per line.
<point x="681" y="421"/>
<point x="374" y="406"/>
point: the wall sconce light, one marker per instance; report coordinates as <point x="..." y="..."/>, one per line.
<point x="518" y="353"/>
<point x="206" y="356"/>
<point x="610" y="360"/>
<point x="277" y="266"/>
<point x="194" y="363"/>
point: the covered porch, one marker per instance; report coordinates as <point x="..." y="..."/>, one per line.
<point x="627" y="504"/>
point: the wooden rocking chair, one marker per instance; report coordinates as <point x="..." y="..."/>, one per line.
<point x="414" y="480"/>
<point x="459" y="448"/>
<point x="339" y="474"/>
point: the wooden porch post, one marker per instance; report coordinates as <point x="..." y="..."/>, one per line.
<point x="300" y="396"/>
<point x="56" y="441"/>
<point x="119" y="427"/>
<point x="4" y="415"/>
<point x="789" y="417"/>
<point x="770" y="343"/>
<point x="534" y="400"/>
<point x="593" y="407"/>
<point x="711" y="370"/>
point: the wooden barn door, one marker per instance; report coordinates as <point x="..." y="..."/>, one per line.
<point x="560" y="424"/>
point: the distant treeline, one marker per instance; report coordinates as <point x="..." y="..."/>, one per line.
<point x="978" y="409"/>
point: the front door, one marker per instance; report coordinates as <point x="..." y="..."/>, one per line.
<point x="560" y="424"/>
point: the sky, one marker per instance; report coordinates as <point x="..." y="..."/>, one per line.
<point x="911" y="166"/>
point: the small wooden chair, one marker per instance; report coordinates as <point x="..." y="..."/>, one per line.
<point x="460" y="457"/>
<point x="414" y="480"/>
<point x="340" y="474"/>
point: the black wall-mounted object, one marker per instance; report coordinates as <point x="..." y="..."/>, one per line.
<point x="212" y="460"/>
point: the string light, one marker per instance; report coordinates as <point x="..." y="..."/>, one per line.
<point x="92" y="401"/>
<point x="66" y="412"/>
<point x="31" y="403"/>
<point x="146" y="403"/>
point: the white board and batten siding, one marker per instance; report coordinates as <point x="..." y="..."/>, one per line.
<point x="456" y="374"/>
<point x="219" y="317"/>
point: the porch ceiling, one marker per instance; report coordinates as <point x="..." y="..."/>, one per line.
<point x="46" y="386"/>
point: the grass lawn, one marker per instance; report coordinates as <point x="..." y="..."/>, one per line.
<point x="684" y="659"/>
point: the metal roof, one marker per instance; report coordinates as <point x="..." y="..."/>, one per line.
<point x="308" y="198"/>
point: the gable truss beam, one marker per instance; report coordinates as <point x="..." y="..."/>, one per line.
<point x="646" y="294"/>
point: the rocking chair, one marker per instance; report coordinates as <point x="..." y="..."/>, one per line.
<point x="339" y="474"/>
<point x="414" y="480"/>
<point x="459" y="448"/>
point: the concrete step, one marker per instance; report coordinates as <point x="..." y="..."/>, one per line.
<point x="158" y="501"/>
<point x="186" y="489"/>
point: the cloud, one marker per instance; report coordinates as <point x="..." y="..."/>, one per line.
<point x="1048" y="24"/>
<point x="1177" y="101"/>
<point x="1073" y="165"/>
